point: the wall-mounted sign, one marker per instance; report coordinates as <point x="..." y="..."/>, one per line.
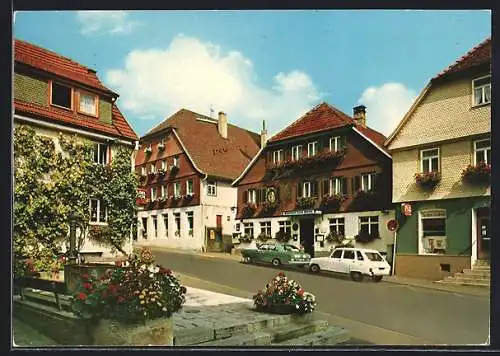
<point x="392" y="225"/>
<point x="302" y="212"/>
<point x="320" y="238"/>
<point x="212" y="234"/>
<point x="406" y="209"/>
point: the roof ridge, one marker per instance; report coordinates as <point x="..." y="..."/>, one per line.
<point x="296" y="120"/>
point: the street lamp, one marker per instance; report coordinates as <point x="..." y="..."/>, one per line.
<point x="72" y="237"/>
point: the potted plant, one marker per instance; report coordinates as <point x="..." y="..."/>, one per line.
<point x="282" y="236"/>
<point x="284" y="296"/>
<point x="151" y="175"/>
<point x="148" y="150"/>
<point x="245" y="238"/>
<point x="162" y="172"/>
<point x="161" y="146"/>
<point x="263" y="237"/>
<point x="189" y="196"/>
<point x="427" y="180"/>
<point x="269" y="207"/>
<point x="363" y="237"/>
<point x="332" y="201"/>
<point x="334" y="237"/>
<point x="130" y="305"/>
<point x="305" y="202"/>
<point x="478" y="174"/>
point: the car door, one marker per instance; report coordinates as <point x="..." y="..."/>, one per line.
<point x="332" y="264"/>
<point x="348" y="261"/>
<point x="359" y="263"/>
<point x="269" y="253"/>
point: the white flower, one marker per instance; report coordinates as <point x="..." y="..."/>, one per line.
<point x="153" y="269"/>
<point x="143" y="267"/>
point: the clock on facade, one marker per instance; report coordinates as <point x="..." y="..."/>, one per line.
<point x="271" y="195"/>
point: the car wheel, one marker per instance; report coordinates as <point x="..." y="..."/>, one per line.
<point x="376" y="279"/>
<point x="247" y="260"/>
<point x="314" y="268"/>
<point x="356" y="276"/>
<point x="276" y="262"/>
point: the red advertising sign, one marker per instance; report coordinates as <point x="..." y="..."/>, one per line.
<point x="406" y="209"/>
<point x="392" y="225"/>
<point x="142" y="197"/>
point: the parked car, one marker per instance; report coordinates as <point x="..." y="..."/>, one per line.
<point x="276" y="254"/>
<point x="357" y="262"/>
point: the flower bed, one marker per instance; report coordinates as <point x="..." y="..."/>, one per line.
<point x="427" y="180"/>
<point x="478" y="174"/>
<point x="284" y="296"/>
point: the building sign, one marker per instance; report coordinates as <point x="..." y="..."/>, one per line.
<point x="141" y="196"/>
<point x="302" y="212"/>
<point x="212" y="234"/>
<point x="406" y="209"/>
<point x="392" y="225"/>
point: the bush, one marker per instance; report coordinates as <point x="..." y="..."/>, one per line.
<point x="133" y="293"/>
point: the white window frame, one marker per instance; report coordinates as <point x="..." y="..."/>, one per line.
<point x="336" y="186"/>
<point x="277" y="156"/>
<point x="190" y="224"/>
<point x="143" y="170"/>
<point x="369" y="222"/>
<point x="212" y="188"/>
<point x="430" y="159"/>
<point x="176" y="162"/>
<point x="98" y="213"/>
<point x="83" y="93"/>
<point x="252" y="196"/>
<point x="164" y="165"/>
<point x="153" y="193"/>
<point x="334" y="143"/>
<point x="177" y="224"/>
<point x="296" y="152"/>
<point x="177" y="189"/>
<point x="154" y="221"/>
<point x="306" y="190"/>
<point x="286" y="226"/>
<point x="163" y="191"/>
<point x="483" y="91"/>
<point x="165" y="223"/>
<point x="152" y="168"/>
<point x="336" y="223"/>
<point x="189" y="187"/>
<point x="265" y="227"/>
<point x="366" y="187"/>
<point x="431" y="214"/>
<point x="312" y="148"/>
<point x="248" y="226"/>
<point x="99" y="146"/>
<point x="484" y="150"/>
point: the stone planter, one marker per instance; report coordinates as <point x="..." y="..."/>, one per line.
<point x="151" y="332"/>
<point x="282" y="309"/>
<point x="72" y="273"/>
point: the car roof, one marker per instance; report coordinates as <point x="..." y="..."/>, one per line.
<point x="356" y="249"/>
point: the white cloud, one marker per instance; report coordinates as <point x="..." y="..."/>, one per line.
<point x="111" y="22"/>
<point x="386" y="105"/>
<point x="195" y="75"/>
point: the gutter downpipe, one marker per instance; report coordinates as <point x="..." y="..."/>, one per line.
<point x="393" y="271"/>
<point x="203" y="230"/>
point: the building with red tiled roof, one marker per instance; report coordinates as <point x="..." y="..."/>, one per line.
<point x="187" y="164"/>
<point x="325" y="175"/>
<point x="54" y="94"/>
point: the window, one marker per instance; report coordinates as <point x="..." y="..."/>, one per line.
<point x="176" y="162"/>
<point x="265" y="227"/>
<point x="359" y="256"/>
<point x="165" y="223"/>
<point x="237" y="226"/>
<point x="336" y="186"/>
<point x="155" y="225"/>
<point x="348" y="255"/>
<point x="306" y="190"/>
<point x="189" y="187"/>
<point x="373" y="256"/>
<point x="100" y="153"/>
<point x="87" y="103"/>
<point x="212" y="188"/>
<point x="252" y="196"/>
<point x="433" y="231"/>
<point x="277" y="156"/>
<point x="164" y="165"/>
<point x="190" y="222"/>
<point x="153" y="193"/>
<point x="429" y="160"/>
<point x="143" y="170"/>
<point x="145" y="228"/>
<point x="61" y="95"/>
<point x="337" y="225"/>
<point x="248" y="229"/>
<point x="291" y="248"/>
<point x="312" y="148"/>
<point x="368" y="182"/>
<point x="152" y="169"/>
<point x="177" y="219"/>
<point x="482" y="90"/>
<point x="369" y="224"/>
<point x="98" y="211"/>
<point x="286" y="226"/>
<point x="163" y="191"/>
<point x="337" y="254"/>
<point x="482" y="151"/>
<point x="296" y="152"/>
<point x="337" y="143"/>
<point x="177" y="189"/>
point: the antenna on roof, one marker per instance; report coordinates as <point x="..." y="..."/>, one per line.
<point x="211" y="111"/>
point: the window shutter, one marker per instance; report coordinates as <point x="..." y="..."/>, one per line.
<point x="245" y="196"/>
<point x="325" y="187"/>
<point x="343" y="142"/>
<point x="344" y="185"/>
<point x="299" y="189"/>
<point x="320" y="144"/>
<point x="258" y="196"/>
<point x="374" y="181"/>
<point x="278" y="194"/>
<point x="356" y="186"/>
<point x="314" y="187"/>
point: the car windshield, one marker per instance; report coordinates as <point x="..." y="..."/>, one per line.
<point x="291" y="248"/>
<point x="374" y="256"/>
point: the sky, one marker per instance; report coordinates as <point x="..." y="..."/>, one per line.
<point x="272" y="65"/>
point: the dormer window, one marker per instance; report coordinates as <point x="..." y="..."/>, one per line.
<point x="337" y="143"/>
<point x="481" y="90"/>
<point x="87" y="103"/>
<point x="296" y="152"/>
<point x="61" y="95"/>
<point x="277" y="156"/>
<point x="312" y="148"/>
<point x="176" y="162"/>
<point x="161" y="145"/>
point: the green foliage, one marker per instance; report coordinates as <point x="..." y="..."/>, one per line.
<point x="51" y="183"/>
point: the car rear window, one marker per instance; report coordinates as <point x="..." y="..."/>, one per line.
<point x="374" y="256"/>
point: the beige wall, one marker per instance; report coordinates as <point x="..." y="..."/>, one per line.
<point x="445" y="113"/>
<point x="454" y="157"/>
<point x="429" y="267"/>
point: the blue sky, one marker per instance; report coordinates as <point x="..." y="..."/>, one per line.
<point x="256" y="65"/>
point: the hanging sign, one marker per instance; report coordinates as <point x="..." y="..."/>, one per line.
<point x="392" y="225"/>
<point x="406" y="209"/>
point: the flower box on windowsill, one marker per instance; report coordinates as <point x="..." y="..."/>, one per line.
<point x="148" y="151"/>
<point x="189" y="196"/>
<point x="478" y="174"/>
<point x="268" y="207"/>
<point x="151" y="175"/>
<point x="364" y="237"/>
<point x="305" y="203"/>
<point x="427" y="180"/>
<point x="332" y="201"/>
<point x="248" y="210"/>
<point x="161" y="147"/>
<point x="334" y="238"/>
<point x="282" y="236"/>
<point x="162" y="172"/>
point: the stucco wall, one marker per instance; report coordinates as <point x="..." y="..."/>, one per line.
<point x="429" y="267"/>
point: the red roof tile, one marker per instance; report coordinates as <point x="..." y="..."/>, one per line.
<point x="211" y="153"/>
<point x="477" y="55"/>
<point x="320" y="118"/>
<point x="119" y="127"/>
<point x="56" y="64"/>
<point x="373" y="135"/>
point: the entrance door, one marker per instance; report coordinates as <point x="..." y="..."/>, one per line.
<point x="307" y="235"/>
<point x="483" y="234"/>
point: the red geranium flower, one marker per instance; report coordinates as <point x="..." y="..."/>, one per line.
<point x="165" y="271"/>
<point x="281" y="274"/>
<point x="85" y="276"/>
<point x="87" y="285"/>
<point x="82" y="296"/>
<point x="301" y="292"/>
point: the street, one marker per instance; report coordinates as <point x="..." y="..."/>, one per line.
<point x="378" y="313"/>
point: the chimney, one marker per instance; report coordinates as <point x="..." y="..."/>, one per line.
<point x="263" y="135"/>
<point x="360" y="115"/>
<point x="222" y="124"/>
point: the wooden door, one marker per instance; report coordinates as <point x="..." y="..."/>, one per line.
<point x="483" y="238"/>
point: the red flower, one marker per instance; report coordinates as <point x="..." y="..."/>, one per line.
<point x="82" y="296"/>
<point x="165" y="271"/>
<point x="85" y="276"/>
<point x="301" y="292"/>
<point x="87" y="285"/>
<point x="281" y="274"/>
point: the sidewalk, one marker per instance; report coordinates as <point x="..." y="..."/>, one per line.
<point x="413" y="282"/>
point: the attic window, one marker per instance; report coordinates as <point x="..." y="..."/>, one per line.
<point x="87" y="103"/>
<point x="482" y="90"/>
<point x="61" y="95"/>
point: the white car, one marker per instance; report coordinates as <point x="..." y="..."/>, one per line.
<point x="357" y="262"/>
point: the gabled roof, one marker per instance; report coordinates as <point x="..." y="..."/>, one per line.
<point x="478" y="55"/>
<point x="210" y="152"/>
<point x="320" y="118"/>
<point x="51" y="62"/>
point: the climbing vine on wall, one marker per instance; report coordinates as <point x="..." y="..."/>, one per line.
<point x="50" y="182"/>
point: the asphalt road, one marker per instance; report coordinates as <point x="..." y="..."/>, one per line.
<point x="379" y="313"/>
